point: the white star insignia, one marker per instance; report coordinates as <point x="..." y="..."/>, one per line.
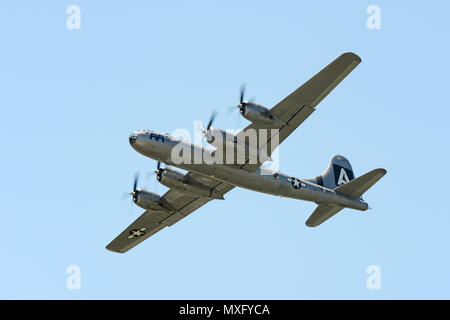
<point x="295" y="183"/>
<point x="136" y="233"/>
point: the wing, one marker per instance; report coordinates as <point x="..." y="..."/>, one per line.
<point x="150" y="222"/>
<point x="301" y="103"/>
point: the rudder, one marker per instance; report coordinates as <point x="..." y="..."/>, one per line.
<point x="339" y="172"/>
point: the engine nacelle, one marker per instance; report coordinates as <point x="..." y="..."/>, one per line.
<point x="175" y="179"/>
<point x="257" y="113"/>
<point x="171" y="178"/>
<point x="150" y="201"/>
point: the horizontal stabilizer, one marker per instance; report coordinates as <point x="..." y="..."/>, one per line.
<point x="323" y="212"/>
<point x="358" y="186"/>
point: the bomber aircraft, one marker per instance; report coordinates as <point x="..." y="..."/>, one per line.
<point x="335" y="189"/>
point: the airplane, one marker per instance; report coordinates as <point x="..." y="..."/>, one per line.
<point x="335" y="189"/>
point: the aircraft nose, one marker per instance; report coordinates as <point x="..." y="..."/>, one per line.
<point x="132" y="138"/>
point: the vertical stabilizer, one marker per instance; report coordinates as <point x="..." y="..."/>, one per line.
<point x="339" y="172"/>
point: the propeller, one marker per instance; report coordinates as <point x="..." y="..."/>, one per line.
<point x="242" y="102"/>
<point x="135" y="191"/>
<point x="210" y="122"/>
<point x="241" y="98"/>
<point x="158" y="171"/>
<point x="207" y="132"/>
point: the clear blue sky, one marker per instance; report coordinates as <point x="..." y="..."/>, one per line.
<point x="70" y="98"/>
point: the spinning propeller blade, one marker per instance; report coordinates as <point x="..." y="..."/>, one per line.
<point x="211" y="120"/>
<point x="242" y="93"/>
<point x="136" y="178"/>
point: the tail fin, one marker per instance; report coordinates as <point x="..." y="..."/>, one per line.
<point x="339" y="176"/>
<point x="357" y="187"/>
<point x="339" y="172"/>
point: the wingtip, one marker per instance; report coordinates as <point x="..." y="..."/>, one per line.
<point x="353" y="55"/>
<point x="113" y="250"/>
<point x="310" y="224"/>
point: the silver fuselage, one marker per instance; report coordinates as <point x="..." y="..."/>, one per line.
<point x="159" y="146"/>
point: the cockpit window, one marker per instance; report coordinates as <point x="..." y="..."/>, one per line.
<point x="132" y="139"/>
